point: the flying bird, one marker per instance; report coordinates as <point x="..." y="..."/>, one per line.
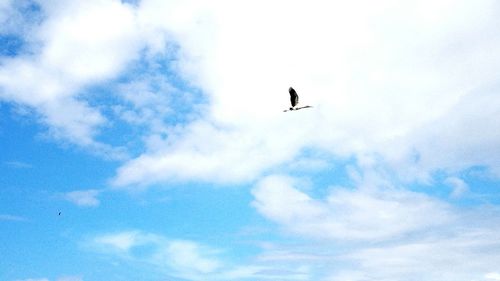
<point x="294" y="100"/>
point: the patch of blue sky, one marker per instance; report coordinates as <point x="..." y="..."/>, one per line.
<point x="53" y="167"/>
<point x="48" y="241"/>
<point x="53" y="255"/>
<point x="150" y="92"/>
<point x="11" y="45"/>
<point x="482" y="187"/>
<point x="210" y="215"/>
<point x="40" y="243"/>
<point x="30" y="8"/>
<point x="36" y="194"/>
<point x="115" y="131"/>
<point x="321" y="170"/>
<point x="479" y="187"/>
<point x="131" y="2"/>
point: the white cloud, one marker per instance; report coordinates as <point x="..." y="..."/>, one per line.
<point x="451" y="256"/>
<point x="364" y="214"/>
<point x="84" y="198"/>
<point x="246" y="150"/>
<point x="401" y="81"/>
<point x="122" y="241"/>
<point x="80" y="44"/>
<point x="18" y="164"/>
<point x="459" y="186"/>
<point x="184" y="258"/>
<point x="377" y="232"/>
<point x="12" y="21"/>
<point x="493" y="276"/>
<point x="70" y="278"/>
<point x="188" y="260"/>
<point x="77" y="49"/>
<point x="5" y="11"/>
<point x="385" y="80"/>
<point x="6" y="217"/>
<point x="63" y="278"/>
<point x="463" y="137"/>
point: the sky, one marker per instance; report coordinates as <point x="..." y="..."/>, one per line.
<point x="146" y="140"/>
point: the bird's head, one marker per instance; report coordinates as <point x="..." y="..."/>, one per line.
<point x="290" y="89"/>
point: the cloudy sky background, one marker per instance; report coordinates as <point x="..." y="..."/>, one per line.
<point x="157" y="129"/>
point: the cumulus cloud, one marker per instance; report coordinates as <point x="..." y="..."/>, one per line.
<point x="348" y="214"/>
<point x="76" y="46"/>
<point x="73" y="54"/>
<point x="379" y="233"/>
<point x="399" y="81"/>
<point x="186" y="259"/>
<point x="84" y="198"/>
<point x="184" y="157"/>
<point x="406" y="86"/>
<point x="392" y="80"/>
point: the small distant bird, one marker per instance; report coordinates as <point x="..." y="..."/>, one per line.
<point x="294" y="100"/>
<point x="59" y="213"/>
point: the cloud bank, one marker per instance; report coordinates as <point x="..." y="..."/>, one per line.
<point x="399" y="82"/>
<point x="392" y="82"/>
<point x="381" y="234"/>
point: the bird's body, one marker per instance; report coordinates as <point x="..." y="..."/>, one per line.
<point x="294" y="98"/>
<point x="294" y="101"/>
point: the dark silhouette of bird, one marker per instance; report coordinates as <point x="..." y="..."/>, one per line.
<point x="294" y="100"/>
<point x="59" y="213"/>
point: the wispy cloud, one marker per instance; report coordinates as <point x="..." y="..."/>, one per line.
<point x="459" y="186"/>
<point x="380" y="232"/>
<point x="84" y="198"/>
<point x="492" y="276"/>
<point x="185" y="259"/>
<point x="18" y="164"/>
<point x="6" y="217"/>
<point x="122" y="241"/>
<point x="372" y="215"/>
<point x="63" y="278"/>
<point x="70" y="278"/>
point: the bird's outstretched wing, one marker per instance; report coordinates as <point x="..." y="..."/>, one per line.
<point x="294" y="98"/>
<point x="302" y="107"/>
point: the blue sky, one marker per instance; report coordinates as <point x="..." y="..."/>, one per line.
<point x="156" y="129"/>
